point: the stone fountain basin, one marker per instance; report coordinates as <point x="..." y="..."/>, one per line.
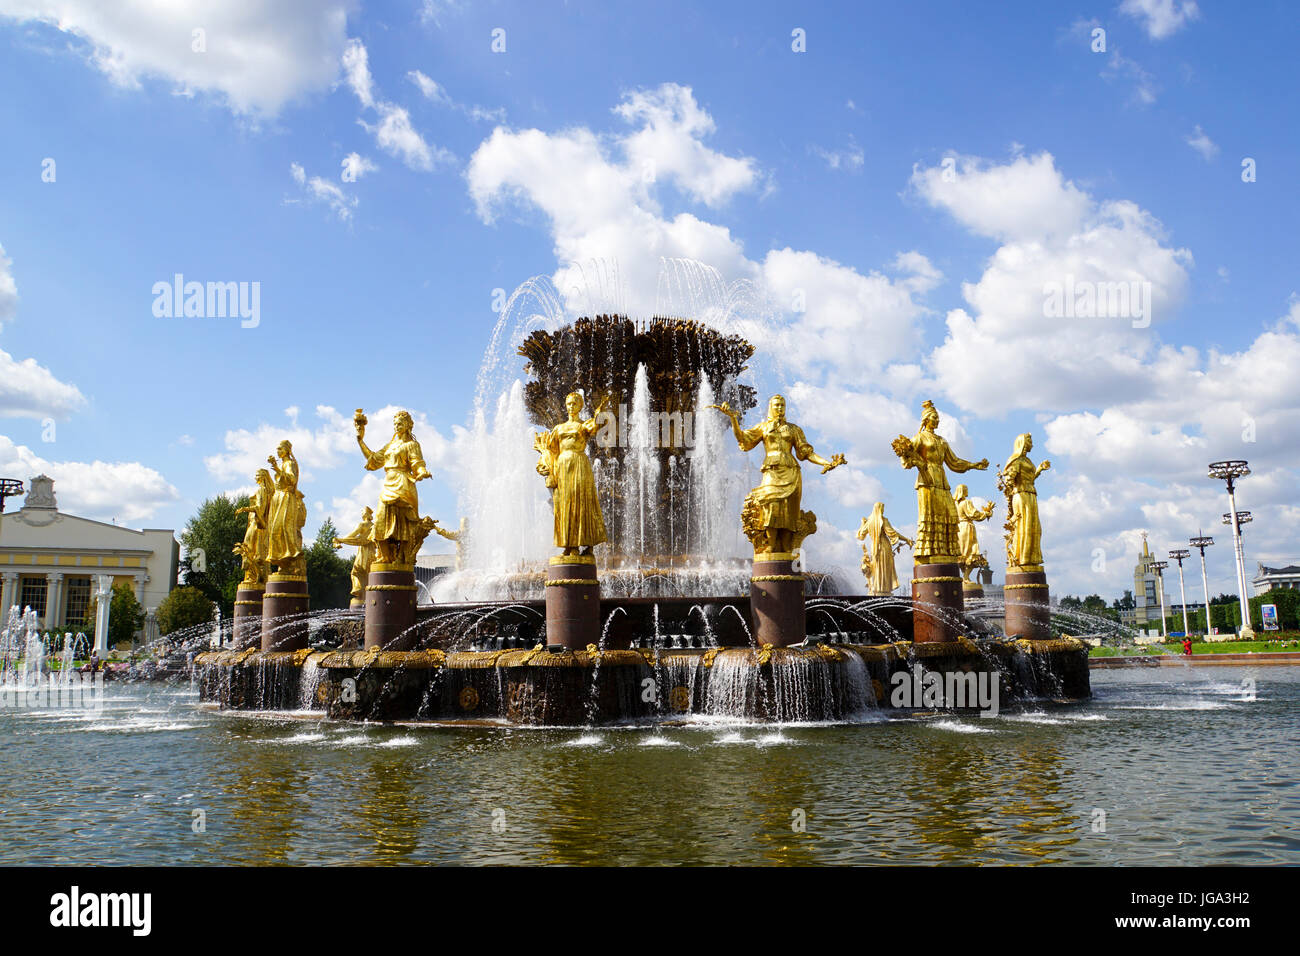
<point x="824" y="682"/>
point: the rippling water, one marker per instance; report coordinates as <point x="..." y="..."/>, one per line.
<point x="1186" y="766"/>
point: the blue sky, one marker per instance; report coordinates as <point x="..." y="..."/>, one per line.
<point x="820" y="172"/>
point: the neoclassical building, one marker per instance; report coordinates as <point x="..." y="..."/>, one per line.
<point x="49" y="560"/>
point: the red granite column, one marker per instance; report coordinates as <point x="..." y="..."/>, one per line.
<point x="937" y="604"/>
<point x="572" y="602"/>
<point x="776" y="601"/>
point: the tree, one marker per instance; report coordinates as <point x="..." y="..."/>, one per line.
<point x="184" y="607"/>
<point x="214" y="531"/>
<point x="329" y="580"/>
<point x="1071" y="603"/>
<point x="125" y="616"/>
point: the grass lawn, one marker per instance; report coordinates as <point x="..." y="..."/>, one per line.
<point x="1227" y="647"/>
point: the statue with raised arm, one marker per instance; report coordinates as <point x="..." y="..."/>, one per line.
<point x="1024" y="533"/>
<point x="880" y="542"/>
<point x="287" y="515"/>
<point x="969" y="555"/>
<point x="360" y="538"/>
<point x="459" y="536"/>
<point x="771" y="516"/>
<point x="252" y="550"/>
<point x="936" y="512"/>
<point x="398" y="529"/>
<point x="564" y="464"/>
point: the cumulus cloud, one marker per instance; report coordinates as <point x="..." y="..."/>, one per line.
<point x="1161" y="18"/>
<point x="255" y="55"/>
<point x="1202" y="143"/>
<point x="1054" y="236"/>
<point x="28" y="389"/>
<point x="125" y="491"/>
<point x="355" y="166"/>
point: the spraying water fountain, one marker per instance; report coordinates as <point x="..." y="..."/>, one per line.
<point x="680" y="587"/>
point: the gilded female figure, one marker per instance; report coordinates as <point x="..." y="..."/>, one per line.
<point x="567" y="470"/>
<point x="360" y="538"/>
<point x="1024" y="533"/>
<point x="287" y="514"/>
<point x="936" y="512"/>
<point x="880" y="542"/>
<point x="969" y="556"/>
<point x="398" y="530"/>
<point x="774" y="504"/>
<point x="253" y="549"/>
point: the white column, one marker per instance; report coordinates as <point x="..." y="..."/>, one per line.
<point x="1182" y="594"/>
<point x="103" y="596"/>
<point x="53" y="593"/>
<point x="1205" y="583"/>
<point x="8" y="594"/>
<point x="1246" y="631"/>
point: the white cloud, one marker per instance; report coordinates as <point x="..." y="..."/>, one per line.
<point x="356" y="68"/>
<point x="1052" y="233"/>
<point x="1202" y="143"/>
<point x="8" y="288"/>
<point x="125" y="491"/>
<point x="355" y="166"/>
<point x="429" y="88"/>
<point x="258" y="55"/>
<point x="322" y="190"/>
<point x="1161" y="18"/>
<point x="394" y="133"/>
<point x="433" y="91"/>
<point x="1118" y="66"/>
<point x="849" y="158"/>
<point x="28" y="389"/>
<point x="668" y="144"/>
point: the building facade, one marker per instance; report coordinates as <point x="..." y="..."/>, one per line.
<point x="1266" y="579"/>
<point x="49" y="560"/>
<point x="1147" y="585"/>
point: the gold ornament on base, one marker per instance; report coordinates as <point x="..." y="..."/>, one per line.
<point x="770" y="515"/>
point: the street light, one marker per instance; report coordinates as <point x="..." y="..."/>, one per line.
<point x="1243" y="517"/>
<point x="1178" y="554"/>
<point x="1202" y="542"/>
<point x="1160" y="586"/>
<point x="9" y="487"/>
<point x="1230" y="471"/>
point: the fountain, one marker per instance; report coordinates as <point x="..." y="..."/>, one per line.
<point x="656" y="607"/>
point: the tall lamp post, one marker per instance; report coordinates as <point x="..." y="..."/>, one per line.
<point x="1178" y="554"/>
<point x="1202" y="542"/>
<point x="1160" y="587"/>
<point x="1242" y="517"/>
<point x="1230" y="471"/>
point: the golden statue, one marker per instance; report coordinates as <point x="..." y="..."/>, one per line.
<point x="1024" y="533"/>
<point x="287" y="515"/>
<point x="459" y="537"/>
<point x="252" y="550"/>
<point x="567" y="470"/>
<point x="361" y="540"/>
<point x="880" y="542"/>
<point x="936" y="512"/>
<point x="398" y="529"/>
<point x="969" y="556"/>
<point x="771" y="516"/>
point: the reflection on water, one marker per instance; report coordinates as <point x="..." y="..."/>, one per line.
<point x="1187" y="765"/>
